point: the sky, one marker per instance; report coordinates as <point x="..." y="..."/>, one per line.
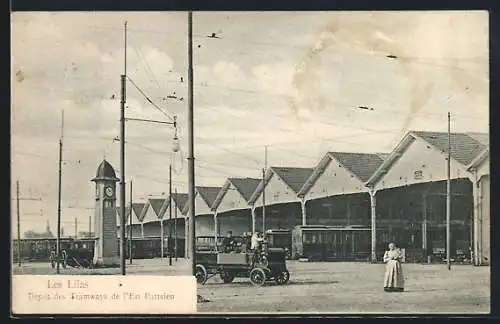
<point x="291" y="81"/>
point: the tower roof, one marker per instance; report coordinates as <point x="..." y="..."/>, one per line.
<point x="105" y="172"/>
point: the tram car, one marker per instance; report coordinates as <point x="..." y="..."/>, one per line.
<point x="280" y="238"/>
<point x="331" y="243"/>
<point x="267" y="264"/>
<point x="44" y="249"/>
<point x="208" y="243"/>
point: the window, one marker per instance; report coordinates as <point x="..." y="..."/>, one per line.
<point x="108" y="204"/>
<point x="417" y="175"/>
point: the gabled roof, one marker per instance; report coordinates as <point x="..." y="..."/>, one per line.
<point x="361" y="165"/>
<point x="156" y="204"/>
<point x="465" y="148"/>
<point x="293" y="177"/>
<point x="209" y="194"/>
<point x="137" y="208"/>
<point x="244" y="186"/>
<point x="483" y="138"/>
<point x="180" y="199"/>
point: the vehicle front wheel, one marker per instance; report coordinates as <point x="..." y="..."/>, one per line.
<point x="201" y="274"/>
<point x="226" y="276"/>
<point x="258" y="277"/>
<point x="283" y="277"/>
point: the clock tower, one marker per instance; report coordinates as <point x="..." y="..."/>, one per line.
<point x="106" y="245"/>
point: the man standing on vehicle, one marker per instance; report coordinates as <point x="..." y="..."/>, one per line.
<point x="228" y="242"/>
<point x="255" y="246"/>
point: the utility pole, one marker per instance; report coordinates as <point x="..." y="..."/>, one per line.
<point x="175" y="229"/>
<point x="448" y="198"/>
<point x="192" y="234"/>
<point x="169" y="245"/>
<point x="122" y="156"/>
<point x="264" y="191"/>
<point x="76" y="227"/>
<point x="18" y="200"/>
<point x="130" y="227"/>
<point x="58" y="242"/>
<point x="90" y="226"/>
<point x="18" y="226"/>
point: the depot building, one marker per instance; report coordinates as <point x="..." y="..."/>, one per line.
<point x="397" y="196"/>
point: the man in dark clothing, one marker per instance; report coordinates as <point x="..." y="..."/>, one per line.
<point x="228" y="242"/>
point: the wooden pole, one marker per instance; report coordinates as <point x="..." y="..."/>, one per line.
<point x="191" y="182"/>
<point x="448" y="199"/>
<point x="122" y="157"/>
<point x="130" y="227"/>
<point x="170" y="215"/>
<point x="19" y="258"/>
<point x="58" y="242"/>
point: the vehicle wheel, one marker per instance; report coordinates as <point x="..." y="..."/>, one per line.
<point x="64" y="260"/>
<point x="283" y="277"/>
<point x="226" y="276"/>
<point x="258" y="277"/>
<point x="201" y="274"/>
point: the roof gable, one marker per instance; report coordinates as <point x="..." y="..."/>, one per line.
<point x="180" y="200"/>
<point x="156" y="204"/>
<point x="137" y="208"/>
<point x="464" y="147"/>
<point x="209" y="194"/>
<point x="245" y="186"/>
<point x="293" y="177"/>
<point x="362" y="165"/>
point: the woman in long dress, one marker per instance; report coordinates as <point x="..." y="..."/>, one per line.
<point x="393" y="281"/>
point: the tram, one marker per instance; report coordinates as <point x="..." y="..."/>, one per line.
<point x="331" y="243"/>
<point x="40" y="249"/>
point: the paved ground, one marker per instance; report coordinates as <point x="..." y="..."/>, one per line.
<point x="335" y="287"/>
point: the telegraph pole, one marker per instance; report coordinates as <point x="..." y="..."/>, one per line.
<point x="448" y="198"/>
<point x="76" y="227"/>
<point x="18" y="200"/>
<point x="18" y="226"/>
<point x="58" y="242"/>
<point x="175" y="230"/>
<point x="169" y="245"/>
<point x="192" y="234"/>
<point x="130" y="227"/>
<point x="122" y="157"/>
<point x="90" y="226"/>
<point x="264" y="191"/>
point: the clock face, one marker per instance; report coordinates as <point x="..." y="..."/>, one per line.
<point x="109" y="191"/>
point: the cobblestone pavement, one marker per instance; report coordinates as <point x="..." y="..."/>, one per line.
<point x="336" y="287"/>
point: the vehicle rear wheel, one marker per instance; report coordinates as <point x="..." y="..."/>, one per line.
<point x="64" y="260"/>
<point x="258" y="277"/>
<point x="201" y="274"/>
<point x="52" y="260"/>
<point x="283" y="277"/>
<point x="227" y="276"/>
